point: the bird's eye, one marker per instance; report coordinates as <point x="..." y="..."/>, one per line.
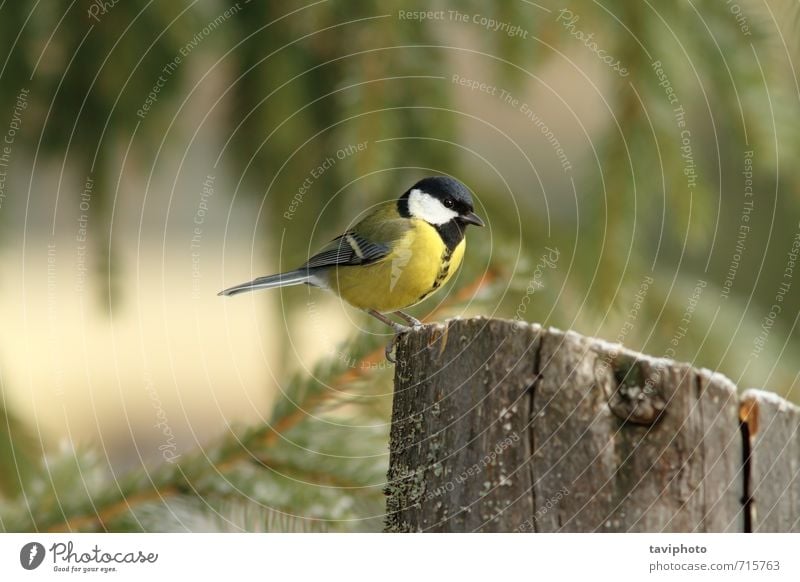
<point x="448" y="202"/>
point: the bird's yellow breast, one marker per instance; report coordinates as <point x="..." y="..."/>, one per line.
<point x="419" y="264"/>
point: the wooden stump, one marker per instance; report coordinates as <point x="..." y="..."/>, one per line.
<point x="773" y="433"/>
<point x="505" y="426"/>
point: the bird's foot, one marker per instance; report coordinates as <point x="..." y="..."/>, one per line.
<point x="389" y="349"/>
<point x="409" y="319"/>
<point x="398" y="331"/>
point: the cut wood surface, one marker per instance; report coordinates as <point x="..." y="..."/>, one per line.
<point x="506" y="426"/>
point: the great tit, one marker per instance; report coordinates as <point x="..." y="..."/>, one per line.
<point x="393" y="258"/>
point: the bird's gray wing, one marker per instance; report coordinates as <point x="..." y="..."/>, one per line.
<point x="347" y="250"/>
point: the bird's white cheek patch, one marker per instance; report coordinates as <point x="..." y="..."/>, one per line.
<point x="423" y="205"/>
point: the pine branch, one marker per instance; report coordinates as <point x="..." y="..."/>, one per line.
<point x="282" y="463"/>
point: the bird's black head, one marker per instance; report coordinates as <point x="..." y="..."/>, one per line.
<point x="439" y="201"/>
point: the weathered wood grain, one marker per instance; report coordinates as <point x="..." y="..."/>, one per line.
<point x="503" y="426"/>
<point x="459" y="447"/>
<point x="624" y="476"/>
<point x="723" y="463"/>
<point x="774" y="434"/>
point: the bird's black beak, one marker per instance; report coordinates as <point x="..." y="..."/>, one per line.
<point x="472" y="218"/>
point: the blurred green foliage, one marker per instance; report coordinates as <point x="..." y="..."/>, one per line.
<point x="307" y="79"/>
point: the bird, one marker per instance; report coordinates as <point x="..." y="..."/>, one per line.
<point x="395" y="257"/>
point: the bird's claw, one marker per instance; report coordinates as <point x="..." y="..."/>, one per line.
<point x="398" y="328"/>
<point x="398" y="331"/>
<point x="409" y="319"/>
<point x="389" y="349"/>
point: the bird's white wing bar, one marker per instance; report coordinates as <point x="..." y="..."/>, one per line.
<point x="348" y="249"/>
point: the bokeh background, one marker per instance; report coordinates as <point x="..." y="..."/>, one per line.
<point x="636" y="164"/>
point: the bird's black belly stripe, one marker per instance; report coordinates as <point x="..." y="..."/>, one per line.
<point x="444" y="269"/>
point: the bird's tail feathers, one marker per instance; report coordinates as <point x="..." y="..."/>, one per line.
<point x="297" y="277"/>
